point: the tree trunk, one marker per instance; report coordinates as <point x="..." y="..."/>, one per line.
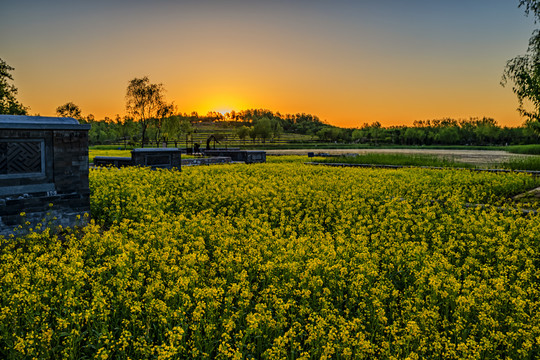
<point x="143" y="134"/>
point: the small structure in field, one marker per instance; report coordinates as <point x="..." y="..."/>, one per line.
<point x="164" y="158"/>
<point x="247" y="156"/>
<point x="168" y="158"/>
<point x="43" y="161"/>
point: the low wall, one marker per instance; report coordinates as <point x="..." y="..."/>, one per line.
<point x="166" y="158"/>
<point x="206" y="161"/>
<point x="247" y="156"/>
<point x="112" y="161"/>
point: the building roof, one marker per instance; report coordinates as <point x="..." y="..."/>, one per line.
<point x="40" y="123"/>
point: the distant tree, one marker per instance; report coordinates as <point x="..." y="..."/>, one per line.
<point x="164" y="113"/>
<point x="187" y="129"/>
<point x="375" y="132"/>
<point x="127" y="129"/>
<point x="325" y="134"/>
<point x="358" y="135"/>
<point x="277" y="129"/>
<point x="524" y="70"/>
<point x="145" y="102"/>
<point x="214" y="116"/>
<point x="242" y="132"/>
<point x="487" y="134"/>
<point x="171" y="129"/>
<point x="69" y="110"/>
<point x="414" y="136"/>
<point x="448" y="135"/>
<point x="100" y="133"/>
<point x="252" y="133"/>
<point x="533" y="125"/>
<point x="263" y="128"/>
<point x="8" y="101"/>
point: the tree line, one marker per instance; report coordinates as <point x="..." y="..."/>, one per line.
<point x="266" y="126"/>
<point x="473" y="132"/>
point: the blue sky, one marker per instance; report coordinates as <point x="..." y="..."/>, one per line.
<point x="349" y="62"/>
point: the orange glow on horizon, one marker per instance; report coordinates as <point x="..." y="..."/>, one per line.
<point x="109" y="102"/>
<point x="222" y="103"/>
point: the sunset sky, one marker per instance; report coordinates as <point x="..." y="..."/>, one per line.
<point x="348" y="62"/>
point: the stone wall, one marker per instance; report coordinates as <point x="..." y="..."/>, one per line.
<point x="247" y="156"/>
<point x="115" y="161"/>
<point x="206" y="161"/>
<point x="165" y="158"/>
<point x="43" y="171"/>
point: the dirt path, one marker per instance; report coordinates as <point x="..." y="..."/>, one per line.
<point x="477" y="157"/>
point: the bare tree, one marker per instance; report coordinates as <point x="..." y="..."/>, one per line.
<point x="145" y="102"/>
<point x="69" y="110"/>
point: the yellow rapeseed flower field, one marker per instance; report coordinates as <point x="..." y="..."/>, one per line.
<point x="280" y="261"/>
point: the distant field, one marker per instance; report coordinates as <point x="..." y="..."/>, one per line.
<point x="473" y="157"/>
<point x="395" y="159"/>
<point x="531" y="162"/>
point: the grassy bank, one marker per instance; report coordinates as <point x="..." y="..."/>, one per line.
<point x="531" y="149"/>
<point x="528" y="163"/>
<point x="521" y="163"/>
<point x="395" y="159"/>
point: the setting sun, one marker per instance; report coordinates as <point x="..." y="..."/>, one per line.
<point x="221" y="103"/>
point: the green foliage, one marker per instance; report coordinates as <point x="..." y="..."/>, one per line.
<point x="531" y="6"/>
<point x="532" y="149"/>
<point x="523" y="163"/>
<point x="8" y="102"/>
<point x="242" y="132"/>
<point x="263" y="128"/>
<point x="331" y="134"/>
<point x="172" y="128"/>
<point x="524" y="71"/>
<point x="126" y="130"/>
<point x="186" y="128"/>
